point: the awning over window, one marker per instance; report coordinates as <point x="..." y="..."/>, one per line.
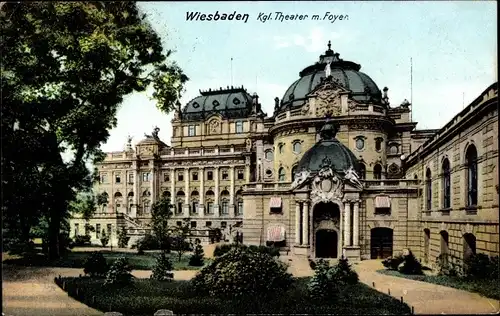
<point x="275" y="233"/>
<point x="382" y="201"/>
<point x="275" y="202"/>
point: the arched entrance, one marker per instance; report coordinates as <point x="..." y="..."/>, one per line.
<point x="326" y="243"/>
<point x="381" y="243"/>
<point x="326" y="227"/>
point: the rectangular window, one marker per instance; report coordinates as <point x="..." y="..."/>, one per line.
<point x="179" y="207"/>
<point x="223" y="224"/>
<point x="210" y="175"/>
<point x="118" y="178"/>
<point x="146" y="176"/>
<point x="210" y="208"/>
<point x="208" y="224"/>
<point x="109" y="229"/>
<point x="179" y="223"/>
<point x="225" y="175"/>
<point x="166" y="177"/>
<point x="131" y="178"/>
<point x="192" y="130"/>
<point x="239" y="208"/>
<point x="241" y="174"/>
<point x="195" y="208"/>
<point x="382" y="211"/>
<point x="77" y="229"/>
<point x="180" y="177"/>
<point x="98" y="230"/>
<point x="195" y="176"/>
<point x="104" y="178"/>
<point x="239" y="127"/>
<point x="193" y="224"/>
<point x="225" y="208"/>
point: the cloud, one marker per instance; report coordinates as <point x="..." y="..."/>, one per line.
<point x="313" y="42"/>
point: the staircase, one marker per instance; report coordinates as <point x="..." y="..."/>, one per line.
<point x="134" y="227"/>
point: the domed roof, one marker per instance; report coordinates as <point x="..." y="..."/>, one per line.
<point x="346" y="73"/>
<point x="230" y="103"/>
<point x="328" y="152"/>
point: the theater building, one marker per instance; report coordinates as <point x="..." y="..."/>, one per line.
<point x="335" y="170"/>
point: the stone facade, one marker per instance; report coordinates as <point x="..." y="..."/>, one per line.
<point x="230" y="166"/>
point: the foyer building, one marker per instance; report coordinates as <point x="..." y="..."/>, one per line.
<point x="335" y="170"/>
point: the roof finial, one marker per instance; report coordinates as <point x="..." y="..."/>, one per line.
<point x="329" y="45"/>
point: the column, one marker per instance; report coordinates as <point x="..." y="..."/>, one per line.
<point x="201" y="204"/>
<point x="305" y="224"/>
<point x="231" y="192"/>
<point x="153" y="187"/>
<point x="133" y="211"/>
<point x="216" y="202"/>
<point x="347" y="223"/>
<point x="186" y="192"/>
<point x="247" y="170"/>
<point x="355" y="224"/>
<point x="297" y="223"/>
<point x="172" y="188"/>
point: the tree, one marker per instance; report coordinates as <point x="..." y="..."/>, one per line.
<point x="180" y="237"/>
<point x="102" y="200"/>
<point x="197" y="257"/>
<point x="66" y="67"/>
<point x="123" y="238"/>
<point x="104" y="238"/>
<point x="161" y="212"/>
<point x="162" y="271"/>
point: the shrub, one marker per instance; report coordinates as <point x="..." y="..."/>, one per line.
<point x="480" y="266"/>
<point x="119" y="273"/>
<point x="82" y="240"/>
<point x="196" y="259"/>
<point x="410" y="265"/>
<point x="328" y="280"/>
<point x="243" y="273"/>
<point x="393" y="263"/>
<point x="95" y="265"/>
<point x="123" y="238"/>
<point x="148" y="242"/>
<point x="104" y="238"/>
<point x="222" y="249"/>
<point x="162" y="271"/>
<point x="449" y="265"/>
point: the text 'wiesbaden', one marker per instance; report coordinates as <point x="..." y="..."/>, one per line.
<point x="198" y="16"/>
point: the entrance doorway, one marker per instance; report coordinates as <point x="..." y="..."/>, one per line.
<point x="381" y="243"/>
<point x="326" y="243"/>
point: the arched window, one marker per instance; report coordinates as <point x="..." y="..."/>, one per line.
<point x="446" y="184"/>
<point x="118" y="195"/>
<point x="281" y="174"/>
<point x="471" y="164"/>
<point x="445" y="250"/>
<point x="297" y="146"/>
<point x="294" y="171"/>
<point x="428" y="189"/>
<point x="131" y="194"/>
<point x="269" y="155"/>
<point x="469" y="245"/>
<point x="362" y="171"/>
<point x="377" y="172"/>
<point x="378" y="144"/>
<point x="281" y="148"/>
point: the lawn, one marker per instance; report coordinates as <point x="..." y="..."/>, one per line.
<point x="488" y="288"/>
<point x="145" y="297"/>
<point x="75" y="259"/>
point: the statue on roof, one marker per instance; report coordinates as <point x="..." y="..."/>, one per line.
<point x="328" y="70"/>
<point x="154" y="134"/>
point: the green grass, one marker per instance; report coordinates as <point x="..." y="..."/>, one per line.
<point x="488" y="288"/>
<point x="145" y="297"/>
<point x="76" y="259"/>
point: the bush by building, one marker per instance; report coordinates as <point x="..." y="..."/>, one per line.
<point x="222" y="249"/>
<point x="243" y="273"/>
<point x="162" y="271"/>
<point x="82" y="240"/>
<point x="95" y="265"/>
<point x="196" y="258"/>
<point x="119" y="273"/>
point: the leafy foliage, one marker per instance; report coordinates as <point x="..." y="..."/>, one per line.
<point x="224" y="248"/>
<point x="148" y="242"/>
<point x="410" y="265"/>
<point x="162" y="270"/>
<point x="82" y="240"/>
<point x="123" y="238"/>
<point x="104" y="238"/>
<point x="65" y="70"/>
<point x="102" y="200"/>
<point x="449" y="265"/>
<point x="84" y="204"/>
<point x="328" y="280"/>
<point x="197" y="258"/>
<point x="392" y="263"/>
<point x="119" y="273"/>
<point x="243" y="273"/>
<point x="180" y="237"/>
<point x="95" y="265"/>
<point x="481" y="266"/>
<point x="161" y="213"/>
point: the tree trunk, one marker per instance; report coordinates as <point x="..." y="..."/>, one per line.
<point x="54" y="229"/>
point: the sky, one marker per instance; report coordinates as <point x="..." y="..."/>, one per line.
<point x="452" y="47"/>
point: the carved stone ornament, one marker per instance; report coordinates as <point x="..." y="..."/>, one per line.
<point x="214" y="126"/>
<point x="328" y="100"/>
<point x="305" y="109"/>
<point x="326" y="186"/>
<point x="248" y="143"/>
